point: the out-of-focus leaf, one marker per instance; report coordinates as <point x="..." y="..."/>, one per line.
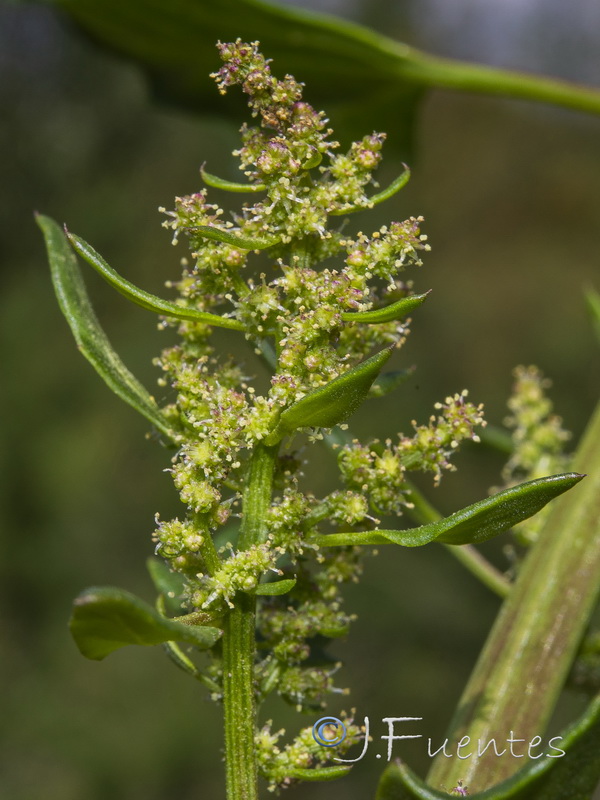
<point x="387" y="314"/>
<point x="145" y="299"/>
<point x="592" y="299"/>
<point x="473" y="524"/>
<point x="105" y="619"/>
<point x="165" y="581"/>
<point x="170" y="584"/>
<point x="91" y="339"/>
<point x="386" y="383"/>
<point x="573" y="776"/>
<point x="352" y="72"/>
<point x="275" y="588"/>
<point x="332" y="403"/>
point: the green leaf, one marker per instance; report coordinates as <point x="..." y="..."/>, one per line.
<point x="165" y="581"/>
<point x="570" y="777"/>
<point x="229" y="186"/>
<point x="368" y="77"/>
<point x="473" y="524"/>
<point x="275" y="588"/>
<point x="91" y="339"/>
<point x="332" y="403"/>
<point x="389" y="313"/>
<point x="145" y="299"/>
<point x="170" y="584"/>
<point x="319" y="773"/>
<point x="105" y="619"/>
<point x="175" y="43"/>
<point x="234" y="239"/>
<point x="389" y="381"/>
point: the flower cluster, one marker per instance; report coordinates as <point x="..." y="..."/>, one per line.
<point x="304" y="321"/>
<point x="378" y="472"/>
<point x="278" y="764"/>
<point x="538" y="439"/>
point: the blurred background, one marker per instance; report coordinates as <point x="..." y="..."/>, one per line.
<point x="509" y="192"/>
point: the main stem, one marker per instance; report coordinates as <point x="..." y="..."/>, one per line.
<point x="239" y="639"/>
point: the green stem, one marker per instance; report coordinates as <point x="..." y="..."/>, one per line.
<point x="208" y="551"/>
<point x="524" y="664"/>
<point x="448" y="73"/>
<point x="238" y="700"/>
<point x="423" y="512"/>
<point x="257" y="495"/>
<point x="239" y="639"/>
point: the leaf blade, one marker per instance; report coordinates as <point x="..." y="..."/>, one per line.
<point x="389" y="313"/>
<point x="275" y="588"/>
<point x="89" y="336"/>
<point x="330" y="404"/>
<point x="471" y="525"/>
<point x="142" y="298"/>
<point x="105" y="619"/>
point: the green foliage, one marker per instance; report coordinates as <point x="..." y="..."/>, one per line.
<point x="142" y="298"/>
<point x="368" y="76"/>
<point x="471" y="525"/>
<point x="332" y="403"/>
<point x="105" y="619"/>
<point x="90" y="338"/>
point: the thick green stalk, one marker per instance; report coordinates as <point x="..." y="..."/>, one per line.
<point x="239" y="639"/>
<point x="523" y="666"/>
<point x="238" y="700"/>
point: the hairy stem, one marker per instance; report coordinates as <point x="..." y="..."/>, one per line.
<point x="238" y="699"/>
<point x="239" y="639"/>
<point x="524" y="664"/>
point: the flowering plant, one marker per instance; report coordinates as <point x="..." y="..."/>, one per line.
<point x="260" y="597"/>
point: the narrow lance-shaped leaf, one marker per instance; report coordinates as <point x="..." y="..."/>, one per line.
<point x="234" y="239"/>
<point x="105" y="619"/>
<point x="473" y="524"/>
<point x="145" y="299"/>
<point x="332" y="403"/>
<point x="319" y="773"/>
<point x="570" y="777"/>
<point x="389" y="313"/>
<point x="230" y="186"/>
<point x="90" y="338"/>
<point x="275" y="587"/>
<point x="386" y="383"/>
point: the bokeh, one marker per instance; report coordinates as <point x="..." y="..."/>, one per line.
<point x="509" y="191"/>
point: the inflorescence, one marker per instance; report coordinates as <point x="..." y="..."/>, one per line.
<point x="293" y="314"/>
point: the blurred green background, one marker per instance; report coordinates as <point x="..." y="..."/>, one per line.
<point x="510" y="195"/>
